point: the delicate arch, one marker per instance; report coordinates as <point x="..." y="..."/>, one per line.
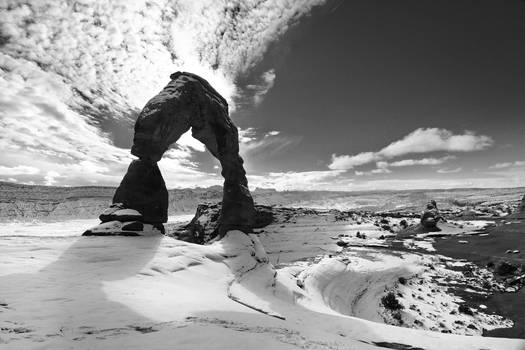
<point x="188" y="101"/>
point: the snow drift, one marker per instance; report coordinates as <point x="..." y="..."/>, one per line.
<point x="158" y="292"/>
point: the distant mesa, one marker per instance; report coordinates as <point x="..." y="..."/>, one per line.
<point x="188" y="101"/>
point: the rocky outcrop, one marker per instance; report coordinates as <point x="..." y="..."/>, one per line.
<point x="119" y="228"/>
<point x="430" y="217"/>
<point x="117" y="220"/>
<point x="520" y="211"/>
<point x="428" y="222"/>
<point x="117" y="211"/>
<point x="205" y="225"/>
<point x="188" y="101"/>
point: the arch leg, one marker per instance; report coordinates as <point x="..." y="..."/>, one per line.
<point x="238" y="210"/>
<point x="144" y="190"/>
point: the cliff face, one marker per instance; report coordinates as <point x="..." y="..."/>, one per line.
<point x="25" y="202"/>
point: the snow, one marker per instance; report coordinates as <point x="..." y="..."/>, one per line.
<point x="425" y="244"/>
<point x="351" y="287"/>
<point x="423" y="241"/>
<point x="67" y="228"/>
<point x="52" y="229"/>
<point x="62" y="291"/>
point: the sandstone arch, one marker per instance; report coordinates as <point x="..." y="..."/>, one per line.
<point x="188" y="101"/>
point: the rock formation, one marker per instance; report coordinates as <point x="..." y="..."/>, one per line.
<point x="205" y="225"/>
<point x="117" y="220"/>
<point x="143" y="189"/>
<point x="520" y="211"/>
<point x="188" y="101"/>
<point x="430" y="217"/>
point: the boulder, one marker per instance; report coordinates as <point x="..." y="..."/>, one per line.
<point x="116" y="211"/>
<point x="120" y="221"/>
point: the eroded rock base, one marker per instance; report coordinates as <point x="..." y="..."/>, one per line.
<point x="118" y="220"/>
<point x="206" y="224"/>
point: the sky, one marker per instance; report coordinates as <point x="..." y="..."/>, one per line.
<point x="327" y="94"/>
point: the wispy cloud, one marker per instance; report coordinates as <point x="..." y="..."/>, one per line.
<point x="383" y="166"/>
<point x="449" y="170"/>
<point x="508" y="164"/>
<point x="431" y="183"/>
<point x="270" y="143"/>
<point x="114" y="54"/>
<point x="423" y="161"/>
<point x="422" y="140"/>
<point x="260" y="90"/>
<point x="18" y="170"/>
<point x="373" y="172"/>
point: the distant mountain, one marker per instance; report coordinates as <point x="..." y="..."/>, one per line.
<point x="51" y="203"/>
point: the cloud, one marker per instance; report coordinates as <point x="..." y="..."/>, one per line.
<point x="252" y="144"/>
<point x="508" y="164"/>
<point x="247" y="135"/>
<point x="423" y="161"/>
<point x="188" y="143"/>
<point x="114" y="54"/>
<point x="69" y="69"/>
<point x="50" y="178"/>
<point x="383" y="166"/>
<point x="349" y="162"/>
<point x="422" y="140"/>
<point x="18" y="170"/>
<point x="449" y="171"/>
<point x="260" y="91"/>
<point x="379" y="170"/>
<point x="337" y="180"/>
<point x="433" y="139"/>
<point x="232" y="36"/>
<point x="430" y="183"/>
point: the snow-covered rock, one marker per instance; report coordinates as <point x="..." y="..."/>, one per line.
<point x="117" y="211"/>
<point x="118" y="228"/>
